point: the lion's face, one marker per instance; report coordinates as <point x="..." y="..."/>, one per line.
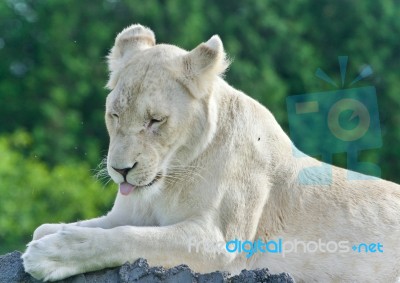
<point x="153" y="112"/>
<point x="148" y="115"/>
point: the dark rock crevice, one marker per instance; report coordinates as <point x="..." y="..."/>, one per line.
<point x="12" y="271"/>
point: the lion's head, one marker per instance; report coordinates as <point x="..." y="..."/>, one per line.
<point x="159" y="111"/>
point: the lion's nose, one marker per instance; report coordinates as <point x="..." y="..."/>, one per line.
<point x="124" y="171"/>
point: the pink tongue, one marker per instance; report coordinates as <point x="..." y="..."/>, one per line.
<point x="125" y="188"/>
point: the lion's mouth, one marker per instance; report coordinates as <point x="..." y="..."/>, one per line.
<point x="156" y="179"/>
<point x="126" y="188"/>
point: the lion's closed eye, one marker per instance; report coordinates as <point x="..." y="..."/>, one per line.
<point x="112" y="115"/>
<point x="156" y="122"/>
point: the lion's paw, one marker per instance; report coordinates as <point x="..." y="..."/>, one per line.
<point x="56" y="256"/>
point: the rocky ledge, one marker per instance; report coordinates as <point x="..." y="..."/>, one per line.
<point x="11" y="270"/>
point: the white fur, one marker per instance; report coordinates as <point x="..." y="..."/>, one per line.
<point x="229" y="172"/>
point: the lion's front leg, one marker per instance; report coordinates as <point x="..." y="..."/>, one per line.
<point x="74" y="250"/>
<point x="48" y="229"/>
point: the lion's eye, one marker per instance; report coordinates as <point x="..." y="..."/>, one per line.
<point x="115" y="116"/>
<point x="155" y="121"/>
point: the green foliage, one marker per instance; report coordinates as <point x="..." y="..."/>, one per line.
<point x="32" y="193"/>
<point x="53" y="72"/>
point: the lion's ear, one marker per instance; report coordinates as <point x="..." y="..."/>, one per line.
<point x="129" y="41"/>
<point x="199" y="68"/>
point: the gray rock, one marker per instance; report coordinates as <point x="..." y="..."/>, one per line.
<point x="12" y="271"/>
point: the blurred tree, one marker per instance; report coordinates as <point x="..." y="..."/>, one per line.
<point x="33" y="193"/>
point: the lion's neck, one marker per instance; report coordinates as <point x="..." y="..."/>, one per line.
<point x="242" y="122"/>
<point x="273" y="150"/>
<point x="284" y="197"/>
<point x="236" y="122"/>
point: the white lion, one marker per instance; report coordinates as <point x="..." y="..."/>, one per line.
<point x="197" y="160"/>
